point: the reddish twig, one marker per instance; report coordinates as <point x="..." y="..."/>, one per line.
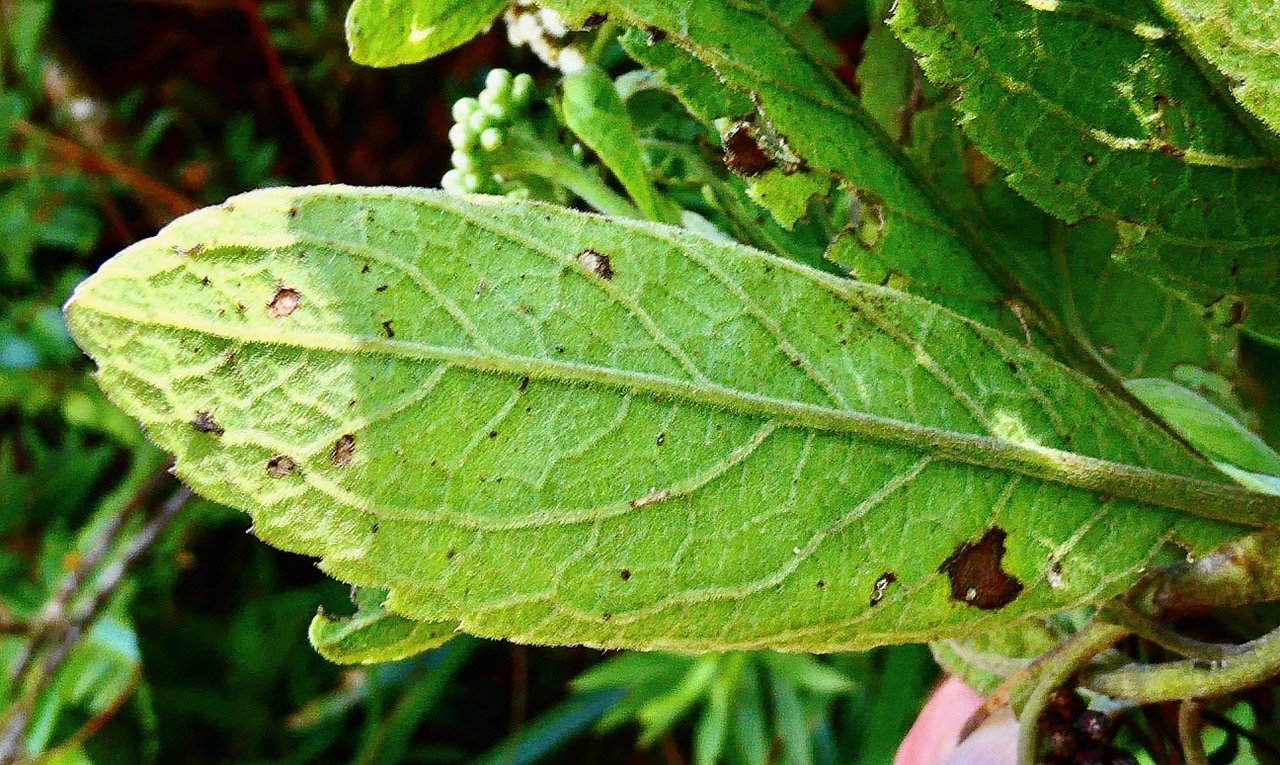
<point x="141" y="184"/>
<point x="292" y="103"/>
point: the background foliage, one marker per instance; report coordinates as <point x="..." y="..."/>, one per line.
<point x="116" y="116"/>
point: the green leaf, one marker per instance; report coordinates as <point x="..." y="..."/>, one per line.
<point x="1208" y="428"/>
<point x="1131" y="324"/>
<point x="555" y="427"/>
<point x="373" y="634"/>
<point x="1130" y="132"/>
<point x="594" y="111"/>
<point x="1239" y="38"/>
<point x="394" y="32"/>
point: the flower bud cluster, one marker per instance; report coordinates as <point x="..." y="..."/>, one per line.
<point x="481" y="127"/>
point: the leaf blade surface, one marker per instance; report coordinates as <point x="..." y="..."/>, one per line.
<point x="702" y="447"/>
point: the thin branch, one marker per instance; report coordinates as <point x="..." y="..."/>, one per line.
<point x="292" y="103"/>
<point x="140" y="183"/>
<point x="1190" y="726"/>
<point x="14" y="732"/>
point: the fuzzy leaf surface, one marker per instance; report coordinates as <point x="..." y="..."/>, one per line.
<point x="699" y="447"/>
<point x="1098" y="112"/>
<point x="1242" y="39"/>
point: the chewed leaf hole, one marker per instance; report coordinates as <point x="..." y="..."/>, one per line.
<point x="285" y="302"/>
<point x="596" y="263"/>
<point x="343" y="450"/>
<point x="280" y="466"/>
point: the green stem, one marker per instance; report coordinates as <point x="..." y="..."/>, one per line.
<point x="1189" y="728"/>
<point x="1121" y="613"/>
<point x="1065" y="661"/>
<point x="584" y="183"/>
<point x="1144" y="684"/>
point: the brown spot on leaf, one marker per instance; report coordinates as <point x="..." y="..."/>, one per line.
<point x="625" y="574"/>
<point x="655" y="34"/>
<point x="524" y="384"/>
<point x="977" y="577"/>
<point x="882" y="586"/>
<point x="204" y="423"/>
<point x="280" y="466"/>
<point x="596" y="263"/>
<point x="743" y="154"/>
<point x="285" y="302"/>
<point x="651" y="498"/>
<point x="387" y="330"/>
<point x="594" y="21"/>
<point x="189" y="251"/>
<point x="343" y="450"/>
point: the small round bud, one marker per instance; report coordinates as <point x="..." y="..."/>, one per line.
<point x="463" y="108"/>
<point x="479" y="121"/>
<point x="491" y="139"/>
<point x="498" y="114"/>
<point x="471" y="182"/>
<point x="461" y="138"/>
<point x="521" y="89"/>
<point x="520" y="193"/>
<point x="452" y="181"/>
<point x="463" y="161"/>
<point x="488" y="98"/>
<point x="499" y="82"/>
<point x="578" y="152"/>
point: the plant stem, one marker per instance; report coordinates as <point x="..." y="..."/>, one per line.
<point x="1065" y="660"/>
<point x="141" y="184"/>
<point x="13" y="733"/>
<point x="1194" y="678"/>
<point x="292" y="103"/>
<point x="1190" y="726"/>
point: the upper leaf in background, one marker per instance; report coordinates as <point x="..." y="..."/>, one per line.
<point x="1240" y="39"/>
<point x="392" y="32"/>
<point x="559" y="428"/>
<point x="1106" y="116"/>
<point x="595" y="113"/>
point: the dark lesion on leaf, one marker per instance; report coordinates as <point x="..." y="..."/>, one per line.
<point x="977" y="576"/>
<point x="344" y="450"/>
<point x="598" y="264"/>
<point x="204" y="423"/>
<point x="882" y="586"/>
<point x="744" y="154"/>
<point x="280" y="466"/>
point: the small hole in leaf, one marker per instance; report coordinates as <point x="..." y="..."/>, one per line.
<point x="596" y="263"/>
<point x="280" y="466"/>
<point x="343" y="451"/>
<point x="285" y="302"/>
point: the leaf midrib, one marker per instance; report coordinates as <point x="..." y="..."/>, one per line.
<point x="1193" y="496"/>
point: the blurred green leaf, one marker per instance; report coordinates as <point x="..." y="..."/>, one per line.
<point x="393" y="32"/>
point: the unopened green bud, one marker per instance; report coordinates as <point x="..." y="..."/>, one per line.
<point x="521" y="89"/>
<point x="491" y="139"/>
<point x="471" y="182"/>
<point x="463" y="161"/>
<point x="498" y="113"/>
<point x="479" y="121"/>
<point x="499" y="82"/>
<point x="452" y="181"/>
<point x="463" y="108"/>
<point x="461" y="137"/>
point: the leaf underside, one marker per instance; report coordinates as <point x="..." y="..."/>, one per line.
<point x="558" y="428"/>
